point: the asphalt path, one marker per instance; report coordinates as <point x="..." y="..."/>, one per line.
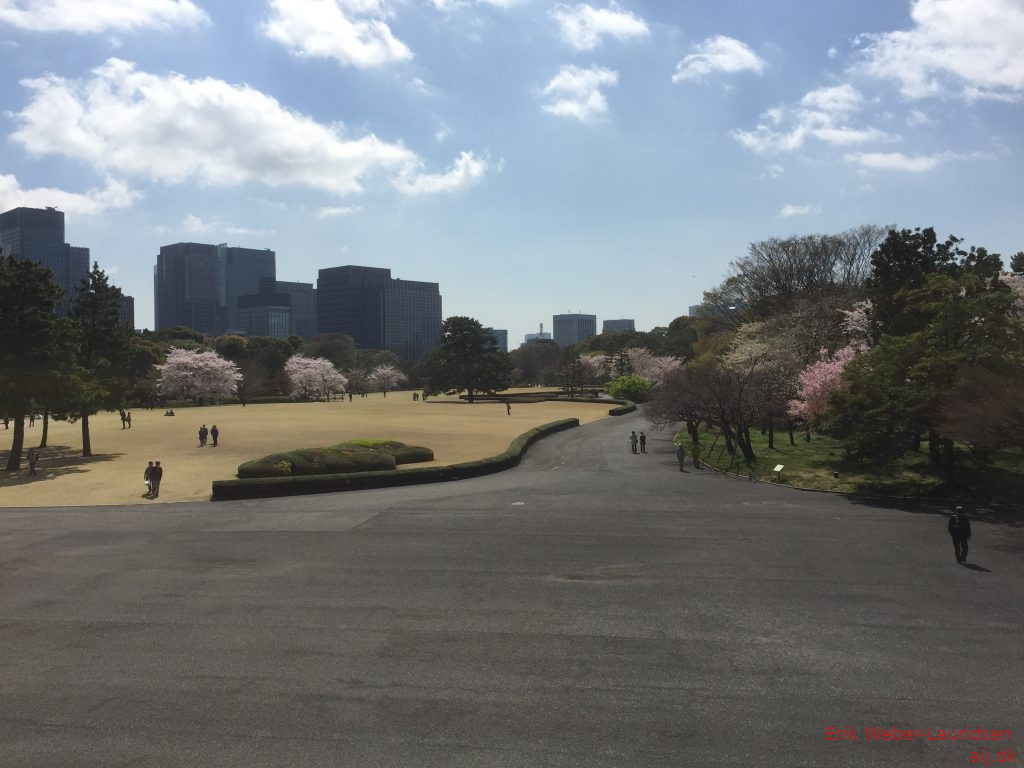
<point x="588" y="608"/>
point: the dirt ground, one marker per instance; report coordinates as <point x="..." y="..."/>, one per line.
<point x="455" y="430"/>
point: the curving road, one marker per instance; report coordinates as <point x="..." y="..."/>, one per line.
<point x="589" y="608"/>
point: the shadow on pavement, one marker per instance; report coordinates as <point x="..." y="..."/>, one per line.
<point x="997" y="513"/>
<point x="973" y="567"/>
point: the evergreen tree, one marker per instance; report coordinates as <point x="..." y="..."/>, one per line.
<point x="468" y="360"/>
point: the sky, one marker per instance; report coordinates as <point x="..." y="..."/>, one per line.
<point x="531" y="157"/>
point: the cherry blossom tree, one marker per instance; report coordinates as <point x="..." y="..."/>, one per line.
<point x="591" y="368"/>
<point x="312" y="378"/>
<point x="386" y="377"/>
<point x="819" y="379"/>
<point x="193" y="375"/>
<point x="652" y="367"/>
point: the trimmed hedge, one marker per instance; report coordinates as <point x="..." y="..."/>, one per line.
<point x="256" y="488"/>
<point x="317" y="461"/>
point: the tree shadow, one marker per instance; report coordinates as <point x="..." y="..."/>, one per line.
<point x="1008" y="514"/>
<point x="54" y="461"/>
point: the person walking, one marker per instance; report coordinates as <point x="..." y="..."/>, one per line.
<point x="681" y="456"/>
<point x="633" y="441"/>
<point x="156" y="476"/>
<point x="643" y="443"/>
<point x="148" y="477"/>
<point x="508" y="407"/>
<point x="959" y="528"/>
<point x="214" y="433"/>
<point x="203" y="432"/>
<point x="120" y="412"/>
<point x="33" y="457"/>
<point x="128" y="419"/>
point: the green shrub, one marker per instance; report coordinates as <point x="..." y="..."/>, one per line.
<point x="632" y="387"/>
<point x="402" y="453"/>
<point x="318" y="461"/>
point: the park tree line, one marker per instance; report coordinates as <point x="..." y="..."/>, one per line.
<point x="888" y="339"/>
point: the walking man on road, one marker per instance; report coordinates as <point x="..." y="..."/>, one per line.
<point x="959" y="528"/>
<point x="681" y="456"/>
<point x="643" y="443"/>
<point x="632" y="441"/>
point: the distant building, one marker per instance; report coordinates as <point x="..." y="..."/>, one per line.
<point x="198" y="285"/>
<point x="127" y="313"/>
<point x="572" y="329"/>
<point x="264" y="314"/>
<point x="609" y="326"/>
<point x="695" y="310"/>
<point x="302" y="300"/>
<point x="501" y="336"/>
<point x="241" y="272"/>
<point x="187" y="288"/>
<point x="378" y="311"/>
<point x="37" y="234"/>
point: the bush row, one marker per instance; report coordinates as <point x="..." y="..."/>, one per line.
<point x="257" y="488"/>
<point x="350" y="456"/>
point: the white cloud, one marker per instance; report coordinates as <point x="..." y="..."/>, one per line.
<point x="576" y="93"/>
<point x="896" y="161"/>
<point x="973" y="45"/>
<point x="94" y="16"/>
<point x="114" y="194"/>
<point x="195" y="225"/>
<point x="788" y="211"/>
<point x="353" y="32"/>
<point x="917" y="117"/>
<point x="584" y="27"/>
<point x="443" y="133"/>
<point x="169" y="129"/>
<point x="466" y="172"/>
<point x="336" y="211"/>
<point x="718" y="54"/>
<point x="821" y="114"/>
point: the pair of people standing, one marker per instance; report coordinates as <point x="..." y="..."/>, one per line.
<point x="126" y="418"/>
<point x="641" y="441"/>
<point x="153" y="475"/>
<point x="205" y="433"/>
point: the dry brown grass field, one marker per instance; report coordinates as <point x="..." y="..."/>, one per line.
<point x="455" y="430"/>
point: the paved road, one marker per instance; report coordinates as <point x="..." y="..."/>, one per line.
<point x="590" y="608"/>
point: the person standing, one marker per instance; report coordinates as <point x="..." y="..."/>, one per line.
<point x="681" y="456"/>
<point x="203" y="432"/>
<point x="156" y="476"/>
<point x="33" y="457"/>
<point x="959" y="528"/>
<point x="214" y="433"/>
<point x="148" y="477"/>
<point x="643" y="443"/>
<point x="128" y="419"/>
<point x="508" y="407"/>
<point x="633" y="441"/>
<point x="120" y="412"/>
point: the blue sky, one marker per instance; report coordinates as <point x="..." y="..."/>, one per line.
<point x="532" y="157"/>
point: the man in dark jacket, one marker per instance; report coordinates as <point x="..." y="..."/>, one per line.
<point x="156" y="476"/>
<point x="959" y="528"/>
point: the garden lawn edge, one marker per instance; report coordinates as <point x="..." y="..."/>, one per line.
<point x="266" y="487"/>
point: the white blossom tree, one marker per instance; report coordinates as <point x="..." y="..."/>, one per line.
<point x="193" y="375"/>
<point x="313" y="378"/>
<point x="654" y="368"/>
<point x="386" y="377"/>
<point x="591" y="368"/>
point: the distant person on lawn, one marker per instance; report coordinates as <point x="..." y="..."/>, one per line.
<point x="33" y="457"/>
<point x="959" y="528"/>
<point x="156" y="476"/>
<point x="147" y="475"/>
<point x="203" y="432"/>
<point x="214" y="433"/>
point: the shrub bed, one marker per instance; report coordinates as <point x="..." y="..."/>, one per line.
<point x="402" y="453"/>
<point x="317" y="461"/>
<point x="255" y="488"/>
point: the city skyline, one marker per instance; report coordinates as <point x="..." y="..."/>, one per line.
<point x="531" y="157"/>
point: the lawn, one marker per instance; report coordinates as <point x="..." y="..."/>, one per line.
<point x="456" y="431"/>
<point x="821" y="464"/>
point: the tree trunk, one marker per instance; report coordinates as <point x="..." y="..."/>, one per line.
<point x="86" y="443"/>
<point x="727" y="434"/>
<point x="948" y="460"/>
<point x="46" y="427"/>
<point x="789" y="428"/>
<point x="771" y="434"/>
<point x="469" y="395"/>
<point x="693" y="427"/>
<point x="17" y="443"/>
<point x="807" y="434"/>
<point x="743" y="439"/>
<point x="934" y="452"/>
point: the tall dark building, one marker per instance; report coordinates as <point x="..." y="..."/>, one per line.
<point x="572" y="329"/>
<point x="302" y="302"/>
<point x="127" y="312"/>
<point x="198" y="285"/>
<point x="241" y="270"/>
<point x="38" y="234"/>
<point x="380" y="312"/>
<point x="186" y="284"/>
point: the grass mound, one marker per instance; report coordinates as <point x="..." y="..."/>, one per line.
<point x="350" y="456"/>
<point x="403" y="454"/>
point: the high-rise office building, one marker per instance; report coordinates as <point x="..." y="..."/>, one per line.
<point x="241" y="271"/>
<point x="127" y="312"/>
<point x="608" y="326"/>
<point x="264" y="314"/>
<point x="378" y="311"/>
<point x="37" y="234"/>
<point x="572" y="329"/>
<point x="501" y="336"/>
<point x="198" y="285"/>
<point x="186" y="285"/>
<point x="302" y="301"/>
